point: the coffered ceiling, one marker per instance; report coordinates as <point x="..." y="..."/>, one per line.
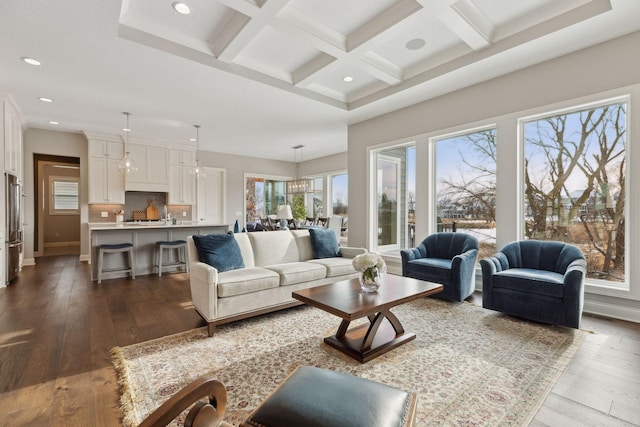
<point x="381" y="46"/>
<point x="261" y="76"/>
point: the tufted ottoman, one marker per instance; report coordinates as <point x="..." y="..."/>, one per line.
<point x="314" y="397"/>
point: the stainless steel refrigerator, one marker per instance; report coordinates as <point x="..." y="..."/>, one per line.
<point x="13" y="231"/>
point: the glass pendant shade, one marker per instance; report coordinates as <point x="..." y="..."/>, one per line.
<point x="198" y="171"/>
<point x="127" y="165"/>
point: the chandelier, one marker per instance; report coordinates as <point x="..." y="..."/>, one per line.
<point x="299" y="185"/>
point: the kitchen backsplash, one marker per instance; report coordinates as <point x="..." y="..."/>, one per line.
<point x="138" y="201"/>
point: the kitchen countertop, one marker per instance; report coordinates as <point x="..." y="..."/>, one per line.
<point x="93" y="226"/>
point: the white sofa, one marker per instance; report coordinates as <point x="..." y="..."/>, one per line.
<point x="276" y="263"/>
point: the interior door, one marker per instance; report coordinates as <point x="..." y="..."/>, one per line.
<point x="211" y="199"/>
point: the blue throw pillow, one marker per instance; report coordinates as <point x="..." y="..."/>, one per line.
<point x="324" y="243"/>
<point x="220" y="251"/>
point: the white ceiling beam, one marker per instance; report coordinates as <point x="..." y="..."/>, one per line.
<point x="302" y="75"/>
<point x="248" y="8"/>
<point x="381" y="23"/>
<point x="381" y="68"/>
<point x="300" y="25"/>
<point x="465" y="20"/>
<point x="475" y="18"/>
<point x="229" y="32"/>
<point x="261" y="18"/>
<point x="354" y="48"/>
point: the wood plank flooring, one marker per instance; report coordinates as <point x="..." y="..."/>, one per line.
<point x="57" y="327"/>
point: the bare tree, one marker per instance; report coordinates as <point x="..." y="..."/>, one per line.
<point x="474" y="187"/>
<point x="594" y="154"/>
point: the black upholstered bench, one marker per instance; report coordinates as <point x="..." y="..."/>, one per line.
<point x="314" y="397"/>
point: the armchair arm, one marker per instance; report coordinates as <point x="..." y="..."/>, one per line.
<point x="202" y="414"/>
<point x="351" y="252"/>
<point x="203" y="280"/>
<point x="408" y="255"/>
<point x="490" y="266"/>
<point x="463" y="271"/>
<point x="573" y="278"/>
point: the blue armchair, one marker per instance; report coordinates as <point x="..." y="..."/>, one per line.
<point x="536" y="280"/>
<point x="445" y="258"/>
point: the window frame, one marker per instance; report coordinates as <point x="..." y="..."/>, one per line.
<point x="52" y="195"/>
<point x="597" y="286"/>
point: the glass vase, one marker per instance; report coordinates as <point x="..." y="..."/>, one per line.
<point x="370" y="280"/>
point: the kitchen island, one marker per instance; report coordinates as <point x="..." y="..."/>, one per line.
<point x="143" y="236"/>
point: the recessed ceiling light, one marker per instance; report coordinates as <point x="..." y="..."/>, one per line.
<point x="30" y="61"/>
<point x="415" y="44"/>
<point x="192" y="139"/>
<point x="347" y="79"/>
<point x="43" y="99"/>
<point x="51" y="122"/>
<point x="181" y="7"/>
<point x="126" y="130"/>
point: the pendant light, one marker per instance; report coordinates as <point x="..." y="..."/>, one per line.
<point x="127" y="165"/>
<point x="299" y="185"/>
<point x="198" y="171"/>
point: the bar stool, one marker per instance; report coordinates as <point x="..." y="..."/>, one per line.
<point x="180" y="246"/>
<point x="112" y="249"/>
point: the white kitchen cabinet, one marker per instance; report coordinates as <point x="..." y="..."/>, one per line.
<point x="106" y="182"/>
<point x="182" y="157"/>
<point x="12" y="140"/>
<point x="182" y="179"/>
<point x="182" y="185"/>
<point x="153" y="164"/>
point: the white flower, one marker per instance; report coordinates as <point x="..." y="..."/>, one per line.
<point x="369" y="260"/>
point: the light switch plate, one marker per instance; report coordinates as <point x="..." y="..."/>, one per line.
<point x="184" y="214"/>
<point x="104" y="214"/>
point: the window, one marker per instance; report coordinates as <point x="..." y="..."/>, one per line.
<point x="64" y="195"/>
<point x="263" y="196"/>
<point x="395" y="183"/>
<point x="340" y="194"/>
<point x="466" y="186"/>
<point x="315" y="200"/>
<point x="574" y="185"/>
<point x="387" y="198"/>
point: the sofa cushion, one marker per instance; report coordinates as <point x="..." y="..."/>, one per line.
<point x="219" y="250"/>
<point x="530" y="280"/>
<point x="438" y="269"/>
<point x="273" y="247"/>
<point x="245" y="249"/>
<point x="246" y="280"/>
<point x="337" y="266"/>
<point x="303" y="241"/>
<point x="297" y="272"/>
<point x="324" y="243"/>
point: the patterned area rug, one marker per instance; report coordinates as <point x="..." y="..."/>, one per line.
<point x="469" y="366"/>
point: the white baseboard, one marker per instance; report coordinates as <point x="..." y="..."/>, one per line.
<point x="614" y="311"/>
<point x="85" y="258"/>
<point x="61" y="244"/>
<point x="29" y="261"/>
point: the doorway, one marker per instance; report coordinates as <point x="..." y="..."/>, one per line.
<point x="57" y="209"/>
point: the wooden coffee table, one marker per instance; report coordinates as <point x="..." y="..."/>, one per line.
<point x="345" y="300"/>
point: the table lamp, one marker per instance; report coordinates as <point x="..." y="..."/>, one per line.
<point x="284" y="213"/>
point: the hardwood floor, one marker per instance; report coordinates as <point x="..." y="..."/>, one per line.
<point x="57" y="327"/>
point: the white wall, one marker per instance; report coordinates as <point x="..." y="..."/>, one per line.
<point x="42" y="141"/>
<point x="236" y="167"/>
<point x="600" y="69"/>
<point x="324" y="165"/>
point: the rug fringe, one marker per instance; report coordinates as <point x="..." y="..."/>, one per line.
<point x="127" y="408"/>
